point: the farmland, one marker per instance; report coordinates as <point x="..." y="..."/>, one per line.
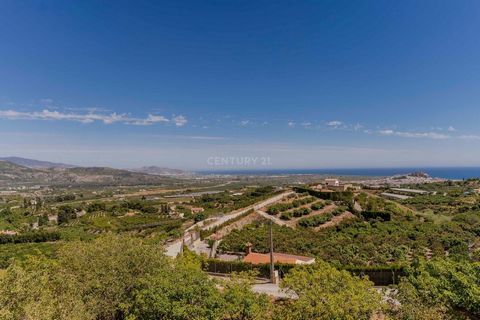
<point x="357" y="231"/>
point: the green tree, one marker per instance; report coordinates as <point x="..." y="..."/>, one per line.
<point x="43" y="220"/>
<point x="65" y="213"/>
<point x="121" y="277"/>
<point x="5" y="212"/>
<point x="89" y="280"/>
<point x="241" y="303"/>
<point x="323" y="292"/>
<point x="109" y="269"/>
<point x="38" y="290"/>
<point x="182" y="291"/>
<point x="443" y="286"/>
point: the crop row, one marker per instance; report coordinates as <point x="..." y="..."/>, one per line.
<point x="282" y="207"/>
<point x="315" y="221"/>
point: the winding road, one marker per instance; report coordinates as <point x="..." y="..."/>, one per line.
<point x="174" y="248"/>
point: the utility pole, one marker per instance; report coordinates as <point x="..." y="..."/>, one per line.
<point x="272" y="266"/>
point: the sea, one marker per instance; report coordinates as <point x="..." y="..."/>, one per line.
<point x="454" y="173"/>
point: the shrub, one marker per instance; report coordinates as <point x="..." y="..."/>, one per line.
<point x="338" y="211"/>
<point x="301" y="212"/>
<point x="30" y="237"/>
<point x="315" y="221"/>
<point x="370" y="215"/>
<point x="65" y="213"/>
<point x="317" y="206"/>
<point x="286" y="216"/>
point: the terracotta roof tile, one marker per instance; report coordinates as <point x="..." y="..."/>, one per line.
<point x="261" y="258"/>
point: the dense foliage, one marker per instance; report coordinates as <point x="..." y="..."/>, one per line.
<point x="118" y="277"/>
<point x="434" y="240"/>
<point x="317" y="220"/>
<point x="327" y="293"/>
<point x="440" y="289"/>
<point x="364" y="243"/>
<point x="121" y="278"/>
<point x="284" y="206"/>
<point x="224" y="201"/>
<point x="29" y="237"/>
<point x="344" y="196"/>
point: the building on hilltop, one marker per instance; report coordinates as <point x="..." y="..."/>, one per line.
<point x="332" y="182"/>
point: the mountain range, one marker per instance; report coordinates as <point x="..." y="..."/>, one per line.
<point x="15" y="171"/>
<point x="36" y="164"/>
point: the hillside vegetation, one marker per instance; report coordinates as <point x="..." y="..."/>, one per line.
<point x="15" y="175"/>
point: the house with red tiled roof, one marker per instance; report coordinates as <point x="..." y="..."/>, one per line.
<point x="283" y="258"/>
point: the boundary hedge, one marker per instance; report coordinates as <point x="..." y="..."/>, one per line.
<point x="30" y="237"/>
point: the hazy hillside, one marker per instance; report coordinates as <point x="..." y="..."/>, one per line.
<point x="12" y="174"/>
<point x="37" y="164"/>
<point x="161" y="171"/>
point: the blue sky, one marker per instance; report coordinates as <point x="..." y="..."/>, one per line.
<point x="304" y="84"/>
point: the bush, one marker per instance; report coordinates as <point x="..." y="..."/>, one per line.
<point x="315" y="221"/>
<point x="122" y="278"/>
<point x="338" y="211"/>
<point x="279" y="207"/>
<point x="452" y="285"/>
<point x="97" y="206"/>
<point x="65" y="213"/>
<point x="301" y="212"/>
<point x="199" y="217"/>
<point x="327" y="293"/>
<point x="286" y="216"/>
<point x="149" y="210"/>
<point x="317" y="206"/>
<point x="369" y="215"/>
<point x="30" y="237"/>
<point x="65" y="197"/>
<point x="273" y="210"/>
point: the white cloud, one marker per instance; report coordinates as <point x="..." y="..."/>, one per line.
<point x="408" y="134"/>
<point x="357" y="126"/>
<point x="151" y="119"/>
<point x="56" y="115"/>
<point x="334" y="123"/>
<point x="470" y="137"/>
<point x="306" y="124"/>
<point x="451" y="129"/>
<point x="89" y="117"/>
<point x="386" y="132"/>
<point x="291" y="124"/>
<point x="243" y="123"/>
<point x="180" y="121"/>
